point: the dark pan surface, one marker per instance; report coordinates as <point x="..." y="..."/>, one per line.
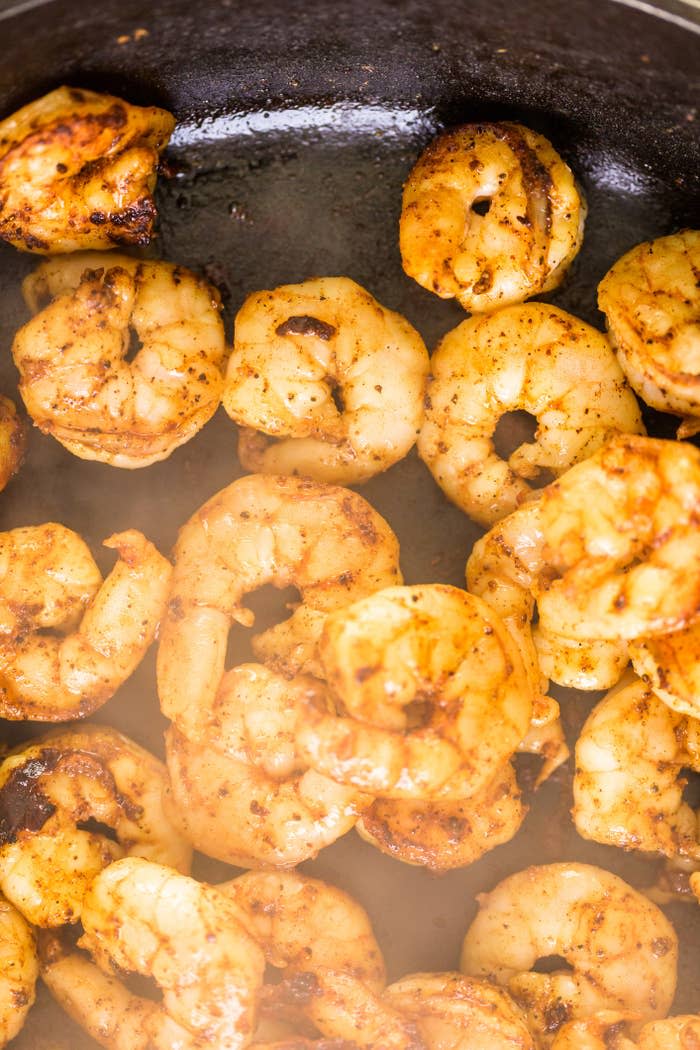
<point x="297" y="125"/>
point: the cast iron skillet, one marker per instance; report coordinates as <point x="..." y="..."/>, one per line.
<point x="297" y="124"/>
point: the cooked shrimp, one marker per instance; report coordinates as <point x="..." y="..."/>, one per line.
<point x="652" y="306"/>
<point x="78" y="169"/>
<point x="606" y="1030"/>
<point x="628" y="787"/>
<point x="670" y="663"/>
<point x="19" y="969"/>
<point x="326" y="541"/>
<point x="581" y="664"/>
<point x="13" y="441"/>
<point x="533" y="358"/>
<point x="76" y="378"/>
<point x="674" y="1033"/>
<point x="52" y="786"/>
<point x="454" y="1012"/>
<point x="335" y="379"/>
<point x="146" y="918"/>
<point x="238" y="789"/>
<point x="621" y="950"/>
<point x="100" y="630"/>
<point x="434" y="694"/>
<point x="491" y="216"/>
<point x="443" y="835"/>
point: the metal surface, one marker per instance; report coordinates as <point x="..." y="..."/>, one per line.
<point x="298" y="123"/>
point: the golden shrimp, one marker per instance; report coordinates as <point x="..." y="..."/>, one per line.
<point x="76" y="378"/>
<point x="19" y="969"/>
<point x="652" y="307"/>
<point x="443" y="835"/>
<point x="491" y="216"/>
<point x="612" y="1031"/>
<point x="628" y="786"/>
<point x="333" y="378"/>
<point x="51" y="786"/>
<point x="670" y="663"/>
<point x="534" y="358"/>
<point x="146" y="918"/>
<point x="576" y="663"/>
<point x="78" y="169"/>
<point x="326" y="541"/>
<point x="13" y="441"/>
<point x="454" y="1012"/>
<point x="434" y="694"/>
<point x="621" y="950"/>
<point x="238" y="789"/>
<point x="100" y="629"/>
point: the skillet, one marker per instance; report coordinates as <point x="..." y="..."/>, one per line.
<point x="297" y="124"/>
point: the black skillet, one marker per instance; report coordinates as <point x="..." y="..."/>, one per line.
<point x="297" y="124"/>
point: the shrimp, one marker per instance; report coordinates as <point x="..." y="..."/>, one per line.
<point x="621" y="949"/>
<point x="443" y="835"/>
<point x="19" y="969"/>
<point x="652" y="307"/>
<point x="670" y="663"/>
<point x="491" y="216"/>
<point x="610" y="1031"/>
<point x="238" y="789"/>
<point x="434" y="694"/>
<point x="51" y="787"/>
<point x="146" y="918"/>
<point x="76" y="377"/>
<point x="628" y="786"/>
<point x="78" y="169"/>
<point x="454" y="1012"/>
<point x="336" y="379"/>
<point x="325" y="540"/>
<point x="589" y="664"/>
<point x="100" y="630"/>
<point x="13" y="441"/>
<point x="534" y="358"/>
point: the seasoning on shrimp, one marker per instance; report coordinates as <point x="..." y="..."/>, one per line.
<point x="13" y="441"/>
<point x="491" y="216"/>
<point x="621" y="950"/>
<point x="651" y="301"/>
<point x="99" y="629"/>
<point x="78" y="169"/>
<point x="19" y="969"/>
<point x="326" y="381"/>
<point x="613" y="1030"/>
<point x="51" y="787"/>
<point x="77" y="378"/>
<point x="534" y="358"/>
<point x="670" y="663"/>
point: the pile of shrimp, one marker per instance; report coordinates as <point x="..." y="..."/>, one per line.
<point x="395" y="710"/>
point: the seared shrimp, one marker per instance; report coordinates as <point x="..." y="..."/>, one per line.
<point x="19" y="969"/>
<point x="100" y="629"/>
<point x="49" y="788"/>
<point x="326" y="541"/>
<point x="78" y="169"/>
<point x="434" y="694"/>
<point x="238" y="789"/>
<point x="612" y="1031"/>
<point x="670" y="663"/>
<point x="335" y="379"/>
<point x="581" y="664"/>
<point x="534" y="358"/>
<point x="652" y="306"/>
<point x="76" y="376"/>
<point x="621" y="950"/>
<point x="13" y="441"/>
<point x="491" y="216"/>
<point x="628" y="786"/>
<point x="146" y="918"/>
<point x="454" y="1012"/>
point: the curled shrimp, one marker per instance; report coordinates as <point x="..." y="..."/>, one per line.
<point x="146" y="918"/>
<point x="335" y="379"/>
<point x="621" y="950"/>
<point x="651" y="304"/>
<point x="628" y="786"/>
<point x="99" y="629"/>
<point x="613" y="1031"/>
<point x="76" y="376"/>
<point x="52" y="787"/>
<point x="325" y="540"/>
<point x="78" y="169"/>
<point x="13" y="441"/>
<point x="534" y="358"/>
<point x="460" y="1013"/>
<point x="19" y="969"/>
<point x="434" y="694"/>
<point x="491" y="216"/>
<point x="670" y="663"/>
<point x="238" y="788"/>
